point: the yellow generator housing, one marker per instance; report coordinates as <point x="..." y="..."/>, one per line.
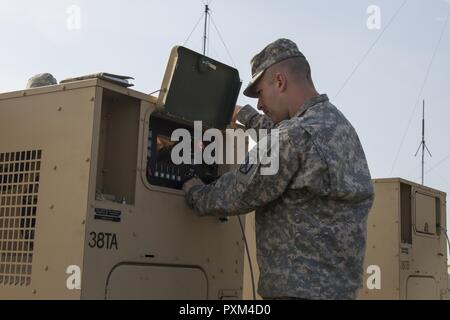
<point x="87" y="213"/>
<point x="406" y="254"/>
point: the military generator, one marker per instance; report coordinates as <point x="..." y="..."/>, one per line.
<point x="91" y="205"/>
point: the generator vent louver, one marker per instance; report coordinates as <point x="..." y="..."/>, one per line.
<point x="19" y="188"/>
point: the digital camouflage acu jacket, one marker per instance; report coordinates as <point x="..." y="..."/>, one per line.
<point x="311" y="216"/>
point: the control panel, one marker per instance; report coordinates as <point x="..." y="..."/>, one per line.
<point x="161" y="170"/>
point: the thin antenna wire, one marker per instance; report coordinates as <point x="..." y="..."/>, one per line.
<point x="438" y="164"/>
<point x="445" y="180"/>
<point x="249" y="258"/>
<point x="420" y="94"/>
<point x="423" y="144"/>
<point x="446" y="236"/>
<point x="195" y="27"/>
<point x="369" y="50"/>
<point x="152" y="93"/>
<point x="223" y="42"/>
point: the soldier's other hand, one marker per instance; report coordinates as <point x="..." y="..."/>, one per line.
<point x="235" y="113"/>
<point x="192" y="183"/>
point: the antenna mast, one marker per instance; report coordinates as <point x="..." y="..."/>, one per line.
<point x="205" y="31"/>
<point x="423" y="144"/>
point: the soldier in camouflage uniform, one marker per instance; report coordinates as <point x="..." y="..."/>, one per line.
<point x="311" y="216"/>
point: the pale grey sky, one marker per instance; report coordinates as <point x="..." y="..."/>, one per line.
<point x="135" y="38"/>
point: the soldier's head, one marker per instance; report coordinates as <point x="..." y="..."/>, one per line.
<point x="281" y="76"/>
<point x="41" y="80"/>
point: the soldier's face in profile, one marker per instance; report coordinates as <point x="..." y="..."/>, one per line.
<point x="269" y="98"/>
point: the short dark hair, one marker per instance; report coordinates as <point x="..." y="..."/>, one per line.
<point x="298" y="68"/>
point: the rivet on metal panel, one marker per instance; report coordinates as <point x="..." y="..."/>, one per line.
<point x="93" y="99"/>
<point x="373" y="247"/>
<point x="83" y="222"/>
<point x="59" y="109"/>
<point x="237" y="262"/>
<point x="88" y="159"/>
<point x="176" y="258"/>
<point x="134" y="235"/>
<point x="374" y="225"/>
<point x="236" y="271"/>
<point x="51" y="207"/>
<point x="221" y="270"/>
<point x="213" y="276"/>
<point x="46" y="268"/>
<point x="34" y="291"/>
<point x="55" y="167"/>
<point x="237" y="243"/>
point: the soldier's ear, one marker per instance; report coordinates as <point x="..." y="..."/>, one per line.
<point x="281" y="81"/>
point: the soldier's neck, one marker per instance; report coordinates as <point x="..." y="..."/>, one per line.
<point x="299" y="98"/>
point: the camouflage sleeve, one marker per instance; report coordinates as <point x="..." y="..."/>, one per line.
<point x="251" y="118"/>
<point x="251" y="186"/>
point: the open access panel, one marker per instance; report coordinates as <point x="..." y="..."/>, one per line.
<point x="83" y="214"/>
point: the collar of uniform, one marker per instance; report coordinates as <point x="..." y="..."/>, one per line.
<point x="310" y="103"/>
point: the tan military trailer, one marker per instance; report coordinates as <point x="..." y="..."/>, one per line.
<point x="92" y="208"/>
<point x="406" y="255"/>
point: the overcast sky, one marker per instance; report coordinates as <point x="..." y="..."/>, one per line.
<point x="135" y="38"/>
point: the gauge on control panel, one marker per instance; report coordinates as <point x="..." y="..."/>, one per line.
<point x="161" y="170"/>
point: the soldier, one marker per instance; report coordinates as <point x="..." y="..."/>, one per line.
<point x="41" y="80"/>
<point x="311" y="216"/>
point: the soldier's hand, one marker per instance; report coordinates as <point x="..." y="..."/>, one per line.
<point x="192" y="183"/>
<point x="235" y="113"/>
